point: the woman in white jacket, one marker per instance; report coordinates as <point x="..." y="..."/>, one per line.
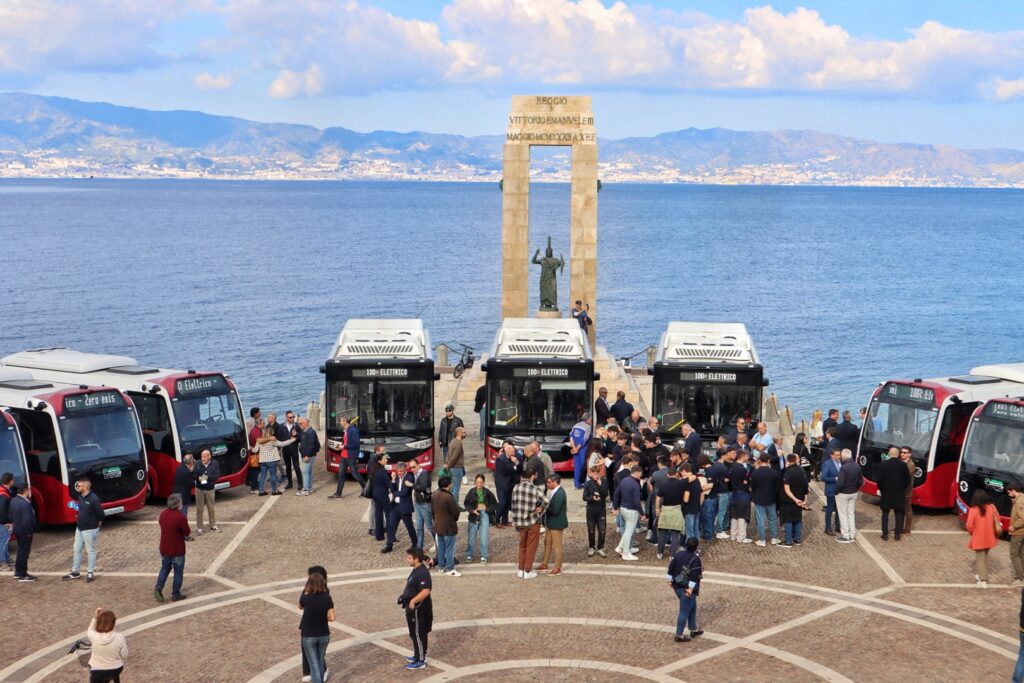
<point x="269" y="449"/>
<point x="109" y="648"/>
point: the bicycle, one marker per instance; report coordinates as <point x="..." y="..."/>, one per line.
<point x="465" y="362"/>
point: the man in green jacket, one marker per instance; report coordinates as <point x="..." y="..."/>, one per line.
<point x="556" y="521"/>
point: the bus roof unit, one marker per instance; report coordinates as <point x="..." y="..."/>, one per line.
<point x="540" y="338"/>
<point x="67" y="360"/>
<point x="370" y="338"/>
<point x="1013" y="372"/>
<point x="700" y="342"/>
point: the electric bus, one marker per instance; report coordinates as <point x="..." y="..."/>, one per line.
<point x="931" y="416"/>
<point x="380" y="376"/>
<point x="707" y="375"/>
<point x="12" y="454"/>
<point x="540" y="382"/>
<point x="70" y="431"/>
<point x="181" y="411"/>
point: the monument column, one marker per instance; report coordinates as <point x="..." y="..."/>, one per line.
<point x="583" y="232"/>
<point x="515" y="230"/>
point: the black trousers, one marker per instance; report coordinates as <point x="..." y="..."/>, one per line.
<point x="885" y="521"/>
<point x="393" y="520"/>
<point x="24" y="548"/>
<point x="419" y="628"/>
<point x="105" y="675"/>
<point x="596" y="522"/>
<point x="291" y="460"/>
<point x="252" y="477"/>
<point x="381" y="519"/>
<point x="348" y="464"/>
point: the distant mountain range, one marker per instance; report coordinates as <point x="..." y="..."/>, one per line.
<point x="59" y="137"/>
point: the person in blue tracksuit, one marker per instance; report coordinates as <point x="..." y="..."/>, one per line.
<point x="579" y="439"/>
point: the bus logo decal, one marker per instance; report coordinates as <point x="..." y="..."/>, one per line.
<point x="863" y="460"/>
<point x="963" y="486"/>
<point x="994" y="483"/>
<point x="140" y="475"/>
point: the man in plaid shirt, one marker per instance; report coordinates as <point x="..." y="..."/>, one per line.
<point x="528" y="506"/>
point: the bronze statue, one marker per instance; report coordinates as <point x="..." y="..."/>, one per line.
<point x="548" y="284"/>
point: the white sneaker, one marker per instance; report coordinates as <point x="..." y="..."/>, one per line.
<point x="630" y="557"/>
<point x="327" y="673"/>
<point x="590" y="552"/>
<point x="660" y="556"/>
<point x="465" y="481"/>
<point x="306" y="679"/>
<point x="776" y="541"/>
<point x="760" y="544"/>
<point x="454" y="572"/>
<point x="519" y="573"/>
<point x="982" y="584"/>
<point x="543" y="529"/>
<point x="530" y="575"/>
<point x="724" y="535"/>
<point x="746" y="540"/>
<point x="618" y="550"/>
<point x="433" y="549"/>
<point x="634" y="550"/>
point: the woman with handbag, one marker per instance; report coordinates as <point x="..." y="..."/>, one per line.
<point x="984" y="527"/>
<point x="109" y="648"/>
<point x="317" y="611"/>
<point x="684" y="573"/>
<point x="482" y="506"/>
<point x="269" y="449"/>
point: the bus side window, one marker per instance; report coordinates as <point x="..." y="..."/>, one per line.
<point x="154" y="418"/>
<point x="952" y="432"/>
<point x="39" y="441"/>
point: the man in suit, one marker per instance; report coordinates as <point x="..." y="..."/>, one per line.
<point x="893" y="480"/>
<point x="831" y="421"/>
<point x="290" y="453"/>
<point x="691" y="443"/>
<point x="621" y="409"/>
<point x="349" y="457"/>
<point x="504" y="481"/>
<point x="309" y="447"/>
<point x="847" y="432"/>
<point x="601" y="407"/>
<point x="401" y="509"/>
<point x="23" y="524"/>
<point x="556" y="519"/>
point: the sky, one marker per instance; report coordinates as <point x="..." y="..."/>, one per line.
<point x="939" y="72"/>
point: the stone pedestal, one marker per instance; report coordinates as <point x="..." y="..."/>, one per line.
<point x="561" y="121"/>
<point x="541" y="313"/>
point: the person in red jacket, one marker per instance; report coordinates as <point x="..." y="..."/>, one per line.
<point x="984" y="527"/>
<point x="173" y="530"/>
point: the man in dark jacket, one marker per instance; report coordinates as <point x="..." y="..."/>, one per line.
<point x="349" y="461"/>
<point x="446" y="431"/>
<point x="480" y="408"/>
<point x="207" y="472"/>
<point x="893" y="480"/>
<point x="504" y="482"/>
<point x="847" y="432"/>
<point x="87" y="529"/>
<point x="595" y="496"/>
<point x="6" y="483"/>
<point x="626" y="502"/>
<point x="290" y="453"/>
<point x="831" y="421"/>
<point x="829" y="476"/>
<point x="23" y="524"/>
<point x="422" y="508"/>
<point x="556" y="520"/>
<point x="446" y="525"/>
<point x="686" y="591"/>
<point x="601" y="408"/>
<point x="691" y="444"/>
<point x="309" y="447"/>
<point x="184" y="480"/>
<point x="848" y="484"/>
<point x="765" y="483"/>
<point x="402" y="482"/>
<point x="621" y="409"/>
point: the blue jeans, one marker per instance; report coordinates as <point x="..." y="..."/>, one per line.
<point x="315" y="649"/>
<point x="722" y="516"/>
<point x="457" y="474"/>
<point x="1018" y="671"/>
<point x="687" y="612"/>
<point x="631" y="518"/>
<point x="5" y="540"/>
<point x="266" y="467"/>
<point x="88" y="539"/>
<point x="483" y="423"/>
<point x="478" y="531"/>
<point x="446" y="552"/>
<point x="307" y="473"/>
<point x="794" y="531"/>
<point x="166" y="562"/>
<point x="708" y="512"/>
<point x="760" y="512"/>
<point x="691" y="526"/>
<point x="831" y="513"/>
<point x="444" y="455"/>
<point x="424" y="518"/>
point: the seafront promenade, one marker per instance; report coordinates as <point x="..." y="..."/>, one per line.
<point x="870" y="611"/>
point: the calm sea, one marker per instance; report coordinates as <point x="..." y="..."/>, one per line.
<point x="841" y="287"/>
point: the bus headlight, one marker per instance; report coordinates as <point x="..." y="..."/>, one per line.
<point x="494" y="443"/>
<point x="420" y="445"/>
<point x="335" y="445"/>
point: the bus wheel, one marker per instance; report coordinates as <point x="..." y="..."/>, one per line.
<point x="458" y="370"/>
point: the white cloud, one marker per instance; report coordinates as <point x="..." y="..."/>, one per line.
<point x="217" y="82"/>
<point x="1008" y="90"/>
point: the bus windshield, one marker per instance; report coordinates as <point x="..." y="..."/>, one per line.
<point x="209" y="417"/>
<point x="377" y="406"/>
<point x="710" y="408"/>
<point x="996" y="446"/>
<point x="548" y="404"/>
<point x="894" y="423"/>
<point x="10" y="454"/>
<point x="99" y="436"/>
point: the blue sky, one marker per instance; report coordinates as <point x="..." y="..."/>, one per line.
<point x="940" y="72"/>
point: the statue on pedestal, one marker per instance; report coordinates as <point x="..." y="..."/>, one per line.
<point x="548" y="284"/>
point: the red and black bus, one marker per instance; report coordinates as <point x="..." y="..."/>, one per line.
<point x="993" y="455"/>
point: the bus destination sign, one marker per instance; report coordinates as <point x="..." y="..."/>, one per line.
<point x="908" y="392"/>
<point x="205" y="384"/>
<point x="708" y="377"/>
<point x="540" y="372"/>
<point x="380" y="372"/>
<point x="1005" y="411"/>
<point x="77" y="403"/>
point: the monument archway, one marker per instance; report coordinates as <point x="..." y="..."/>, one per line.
<point x="559" y="121"/>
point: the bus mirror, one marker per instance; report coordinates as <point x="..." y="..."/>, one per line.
<point x="323" y="369"/>
<point x="764" y="382"/>
<point x="40" y="405"/>
<point x="597" y="376"/>
<point x="483" y="367"/>
<point x="650" y="371"/>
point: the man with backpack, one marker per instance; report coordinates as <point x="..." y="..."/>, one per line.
<point x="684" y="574"/>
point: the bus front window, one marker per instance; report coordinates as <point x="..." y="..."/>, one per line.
<point x="382" y="405"/>
<point x="709" y="408"/>
<point x="96" y="437"/>
<point x="891" y="423"/>
<point x="996" y="446"/>
<point x="208" y="418"/>
<point x="553" y="405"/>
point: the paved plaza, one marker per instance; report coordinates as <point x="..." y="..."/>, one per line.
<point x="872" y="611"/>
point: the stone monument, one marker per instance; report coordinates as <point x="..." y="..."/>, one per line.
<point x="561" y="121"/>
